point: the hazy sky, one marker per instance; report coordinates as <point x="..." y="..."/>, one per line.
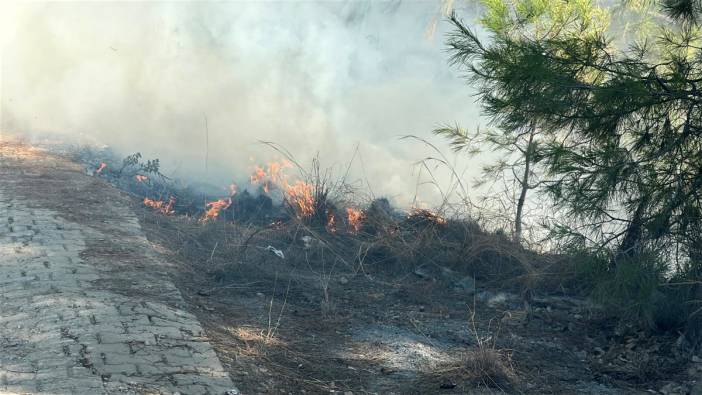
<point x="313" y="76"/>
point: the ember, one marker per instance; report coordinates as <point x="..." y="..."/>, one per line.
<point x="427" y="215"/>
<point x="141" y="178"/>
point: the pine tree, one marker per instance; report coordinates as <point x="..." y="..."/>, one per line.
<point x="621" y="128"/>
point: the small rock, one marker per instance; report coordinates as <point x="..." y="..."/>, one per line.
<point x="259" y="294"/>
<point x="343" y="280"/>
<point x="582" y="355"/>
<point x="696" y="359"/>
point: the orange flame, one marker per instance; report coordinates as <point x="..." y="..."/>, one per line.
<point x="354" y="216"/>
<point x="214" y="208"/>
<point x="429" y="215"/>
<point x="271" y="177"/>
<point x="141" y="178"/>
<point x="331" y="223"/>
<point x="160" y="205"/>
<point x="301" y="197"/>
<point x="258" y="176"/>
<point x="102" y="167"/>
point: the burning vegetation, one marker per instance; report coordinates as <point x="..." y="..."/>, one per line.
<point x="422" y="258"/>
<point x="161" y="206"/>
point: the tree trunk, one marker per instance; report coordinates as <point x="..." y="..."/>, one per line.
<point x="634" y="233"/>
<point x="524" y="183"/>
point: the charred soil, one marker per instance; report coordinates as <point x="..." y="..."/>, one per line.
<point x="342" y="314"/>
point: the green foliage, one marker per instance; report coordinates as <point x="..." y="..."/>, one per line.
<point x="619" y="130"/>
<point x="631" y="290"/>
<point x="133" y="164"/>
<point x="619" y="145"/>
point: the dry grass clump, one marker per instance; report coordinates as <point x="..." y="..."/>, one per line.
<point x="484" y="367"/>
<point x="489" y="367"/>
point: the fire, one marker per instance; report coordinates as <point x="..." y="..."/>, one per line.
<point x="354" y="217"/>
<point x="102" y="167"/>
<point x="214" y="208"/>
<point x="271" y="177"/>
<point x="331" y="224"/>
<point x="141" y="178"/>
<point x="301" y="197"/>
<point x="259" y="177"/>
<point x="429" y="215"/>
<point x="160" y="205"/>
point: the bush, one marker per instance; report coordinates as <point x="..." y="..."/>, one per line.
<point x="631" y="290"/>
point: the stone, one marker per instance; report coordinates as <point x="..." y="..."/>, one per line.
<point x="83" y="328"/>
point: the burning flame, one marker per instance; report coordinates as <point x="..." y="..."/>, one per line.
<point x="301" y="197"/>
<point x="102" y="167"/>
<point x="270" y="177"/>
<point x="259" y="177"/>
<point x="354" y="217"/>
<point x="141" y="178"/>
<point x="160" y="205"/>
<point x="331" y="223"/>
<point x="429" y="215"/>
<point x="214" y="208"/>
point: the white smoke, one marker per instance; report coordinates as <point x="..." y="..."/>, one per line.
<point x="310" y="76"/>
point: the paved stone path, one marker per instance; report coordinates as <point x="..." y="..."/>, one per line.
<point x="86" y="306"/>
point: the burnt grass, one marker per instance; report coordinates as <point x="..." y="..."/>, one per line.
<point x="410" y="304"/>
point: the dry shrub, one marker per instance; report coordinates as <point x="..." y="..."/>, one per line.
<point x="484" y="366"/>
<point x="489" y="367"/>
<point x="426" y="238"/>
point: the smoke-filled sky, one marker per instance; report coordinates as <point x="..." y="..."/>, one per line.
<point x="312" y="76"/>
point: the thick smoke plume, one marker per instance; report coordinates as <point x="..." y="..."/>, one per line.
<point x="198" y="84"/>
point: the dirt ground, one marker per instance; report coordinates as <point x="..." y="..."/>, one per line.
<point x="307" y="323"/>
<point x="289" y="326"/>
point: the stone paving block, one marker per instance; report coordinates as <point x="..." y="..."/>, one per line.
<point x="69" y="325"/>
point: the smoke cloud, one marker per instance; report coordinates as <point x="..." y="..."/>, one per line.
<point x="199" y="84"/>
